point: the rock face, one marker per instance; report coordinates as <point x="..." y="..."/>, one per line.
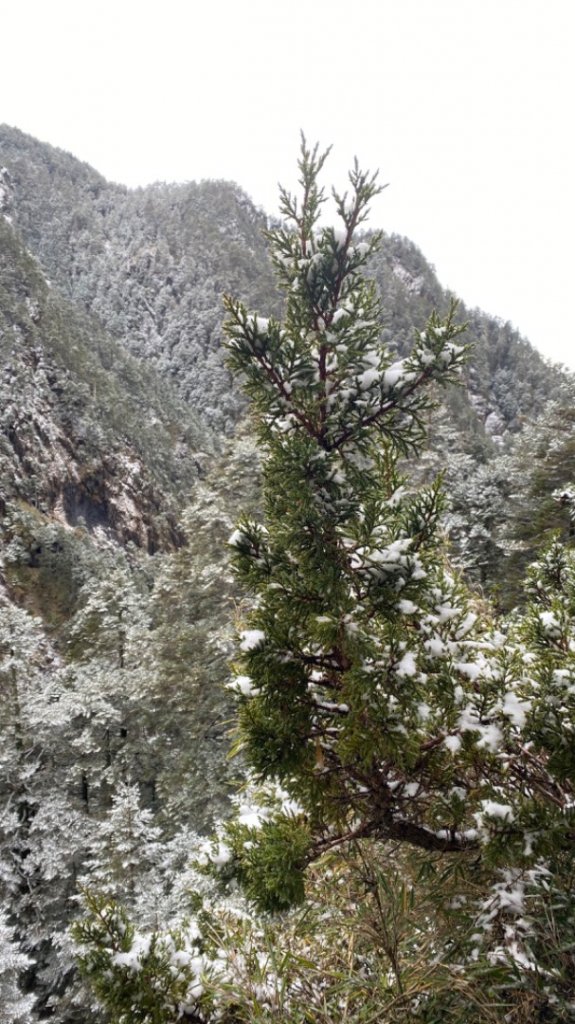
<point x="85" y="434"/>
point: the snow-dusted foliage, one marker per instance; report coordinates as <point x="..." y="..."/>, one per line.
<point x="371" y="685"/>
<point x="93" y="733"/>
<point x="15" y="1006"/>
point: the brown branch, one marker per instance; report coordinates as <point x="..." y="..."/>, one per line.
<point x="538" y="778"/>
<point x="324" y="845"/>
<point x="425" y="839"/>
<point x="402" y="831"/>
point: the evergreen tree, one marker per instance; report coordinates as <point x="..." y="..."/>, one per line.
<point x="41" y="831"/>
<point x="341" y="690"/>
<point x="377" y="702"/>
<point x="126" y="845"/>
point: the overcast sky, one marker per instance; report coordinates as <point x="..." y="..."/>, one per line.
<point x="465" y="106"/>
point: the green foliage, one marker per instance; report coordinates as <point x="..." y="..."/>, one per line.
<point x="379" y="939"/>
<point x="340" y="565"/>
<point x="269" y="862"/>
<point x="134" y="978"/>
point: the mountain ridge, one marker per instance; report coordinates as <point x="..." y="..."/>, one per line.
<point x="153" y="263"/>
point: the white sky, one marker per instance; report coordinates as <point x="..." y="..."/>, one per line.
<point x="465" y="106"/>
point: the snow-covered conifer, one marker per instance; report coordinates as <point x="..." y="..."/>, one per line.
<point x="360" y="650"/>
<point x="15" y="1006"/>
<point x="125" y="847"/>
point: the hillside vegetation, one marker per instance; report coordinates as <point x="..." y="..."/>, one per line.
<point x="128" y="452"/>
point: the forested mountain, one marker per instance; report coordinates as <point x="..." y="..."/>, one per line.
<point x="87" y="431"/>
<point x="152" y="264"/>
<point x="126" y="456"/>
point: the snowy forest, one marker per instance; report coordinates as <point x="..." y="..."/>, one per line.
<point x="287" y="618"/>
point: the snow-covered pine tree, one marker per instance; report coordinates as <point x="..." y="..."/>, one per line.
<point x="370" y="691"/>
<point x="126" y="846"/>
<point x="343" y="695"/>
<point x="36" y="819"/>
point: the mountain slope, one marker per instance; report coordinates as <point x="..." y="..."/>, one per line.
<point x="153" y="265"/>
<point x="86" y="431"/>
